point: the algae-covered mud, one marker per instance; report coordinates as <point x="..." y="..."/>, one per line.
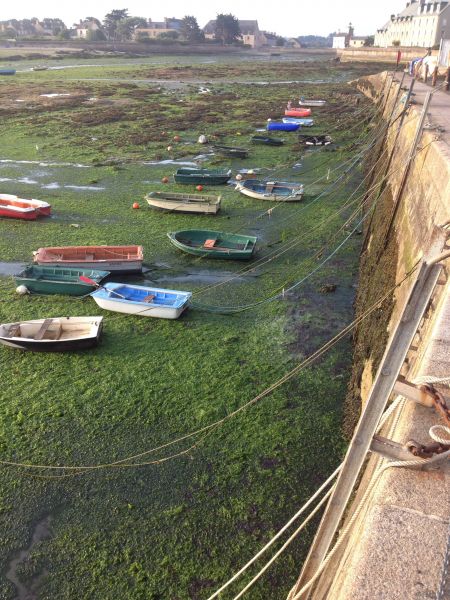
<point x="92" y="140"/>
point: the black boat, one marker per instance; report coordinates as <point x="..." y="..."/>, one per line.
<point x="61" y="334"/>
<point x="266" y="140"/>
<point x="315" y="140"/>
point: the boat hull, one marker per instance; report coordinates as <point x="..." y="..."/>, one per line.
<point x="68" y="344"/>
<point x="13" y="207"/>
<point x="272" y="126"/>
<point x="268" y="191"/>
<point x="231" y="152"/>
<point x="299" y="121"/>
<point x="57" y="280"/>
<point x="191" y="203"/>
<point x="299" y="112"/>
<point x="129" y="258"/>
<point x="168" y="304"/>
<point x="266" y="141"/>
<point x="229" y="246"/>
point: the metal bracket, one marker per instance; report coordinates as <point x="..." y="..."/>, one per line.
<point x="395" y="451"/>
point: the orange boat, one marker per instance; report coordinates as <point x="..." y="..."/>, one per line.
<point x="123" y="259"/>
<point x="13" y="207"/>
<point x="297" y="112"/>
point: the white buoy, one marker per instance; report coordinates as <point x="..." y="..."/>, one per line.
<point x="251" y="172"/>
<point x="22" y="290"/>
<point x="268" y="120"/>
<point x="203" y="139"/>
<point x="239" y="177"/>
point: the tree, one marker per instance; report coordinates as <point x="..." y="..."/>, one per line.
<point x="280" y="42"/>
<point x="227" y="28"/>
<point x="95" y="35"/>
<point x="168" y="35"/>
<point x="369" y="41"/>
<point x="111" y="21"/>
<point x="64" y="35"/>
<point x="190" y="30"/>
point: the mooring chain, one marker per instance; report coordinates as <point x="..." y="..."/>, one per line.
<point x="440" y="405"/>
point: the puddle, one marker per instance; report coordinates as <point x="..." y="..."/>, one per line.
<point x="41" y="164"/>
<point x="85" y="187"/>
<point x="22" y="180"/>
<point x="51" y="186"/>
<point x="41" y="532"/>
<point x="53" y="95"/>
<point x="202" y="276"/>
<point x="184" y="163"/>
<point x="11" y="268"/>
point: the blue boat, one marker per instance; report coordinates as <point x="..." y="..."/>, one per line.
<point x="7" y="71"/>
<point x="142" y="300"/>
<point x="276" y="191"/>
<point x="277" y="126"/>
<point x="299" y="121"/>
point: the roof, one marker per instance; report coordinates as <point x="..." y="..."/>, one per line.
<point x="246" y="27"/>
<point x="411" y="10"/>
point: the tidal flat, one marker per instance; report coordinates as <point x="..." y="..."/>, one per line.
<point x="91" y="140"/>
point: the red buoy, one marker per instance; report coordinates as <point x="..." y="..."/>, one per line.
<point x="136" y="205"/>
<point x="199" y="188"/>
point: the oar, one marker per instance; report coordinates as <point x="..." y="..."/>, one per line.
<point x="90" y="281"/>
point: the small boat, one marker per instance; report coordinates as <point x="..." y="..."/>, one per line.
<point x="203" y="204"/>
<point x="202" y="176"/>
<point x="315" y="140"/>
<point x="7" y="71"/>
<point x="297" y="112"/>
<point x="39" y="68"/>
<point x="19" y="208"/>
<point x="266" y="140"/>
<point x="214" y="244"/>
<point x="123" y="259"/>
<point x="231" y="151"/>
<point x="278" y="191"/>
<point x="58" y="280"/>
<point x="142" y="301"/>
<point x="277" y="126"/>
<point x="306" y="102"/>
<point x="299" y="121"/>
<point x="61" y="334"/>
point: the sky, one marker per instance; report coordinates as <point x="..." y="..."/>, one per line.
<point x="316" y="17"/>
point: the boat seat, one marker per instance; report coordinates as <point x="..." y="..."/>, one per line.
<point x="45" y="325"/>
<point x="209" y="243"/>
<point x="149" y="298"/>
<point x="269" y="187"/>
<point x="13" y="331"/>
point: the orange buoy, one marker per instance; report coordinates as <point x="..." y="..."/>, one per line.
<point x="136" y="205"/>
<point x="199" y="188"/>
<point x="165" y="180"/>
<point x="176" y="138"/>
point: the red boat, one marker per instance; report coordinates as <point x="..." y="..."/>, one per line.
<point x="297" y="112"/>
<point x="19" y="208"/>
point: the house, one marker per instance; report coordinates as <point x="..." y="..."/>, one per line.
<point x="250" y="33"/>
<point x="342" y="40"/>
<point x="84" y="27"/>
<point x="422" y="24"/>
<point x="271" y="39"/>
<point x="357" y="41"/>
<point x="293" y="43"/>
<point x="154" y="29"/>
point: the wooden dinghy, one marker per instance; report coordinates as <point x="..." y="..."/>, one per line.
<point x="194" y="176"/>
<point x="14" y="207"/>
<point x="281" y="191"/>
<point x="299" y="121"/>
<point x="231" y="151"/>
<point x="277" y="126"/>
<point x="266" y="140"/>
<point x="315" y="140"/>
<point x="122" y="259"/>
<point x="308" y="102"/>
<point x="214" y="244"/>
<point x="61" y="334"/>
<point x="297" y="112"/>
<point x="58" y="280"/>
<point x="141" y="300"/>
<point x="40" y="68"/>
<point x="202" y="204"/>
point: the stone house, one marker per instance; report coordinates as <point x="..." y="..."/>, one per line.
<point x="84" y="27"/>
<point x="422" y="24"/>
<point x="250" y="33"/>
<point x="155" y="28"/>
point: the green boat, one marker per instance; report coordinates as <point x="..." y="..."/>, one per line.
<point x="58" y="280"/>
<point x="214" y="244"/>
<point x="202" y="176"/>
